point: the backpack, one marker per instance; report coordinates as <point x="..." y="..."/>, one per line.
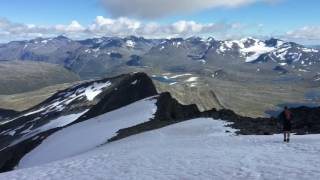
<point x="287" y="115"/>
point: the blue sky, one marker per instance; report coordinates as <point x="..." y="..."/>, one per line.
<point x="298" y="18"/>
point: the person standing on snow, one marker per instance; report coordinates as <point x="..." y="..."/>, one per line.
<point x="287" y="116"/>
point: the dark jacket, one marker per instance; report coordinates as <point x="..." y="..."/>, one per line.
<point x="286" y="121"/>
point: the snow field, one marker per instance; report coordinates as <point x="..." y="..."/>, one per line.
<point x="195" y="149"/>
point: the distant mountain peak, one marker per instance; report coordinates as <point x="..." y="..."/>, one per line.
<point x="61" y="37"/>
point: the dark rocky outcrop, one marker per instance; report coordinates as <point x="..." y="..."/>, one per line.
<point x="128" y="90"/>
<point x="280" y="69"/>
<point x="135" y="61"/>
<point x="169" y="111"/>
<point x="246" y="125"/>
<point x="6" y="113"/>
<point x="305" y="120"/>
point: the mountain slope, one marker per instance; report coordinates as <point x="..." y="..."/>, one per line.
<point x="22" y="76"/>
<point x="195" y="149"/>
<point x="27" y="100"/>
<point x="84" y="103"/>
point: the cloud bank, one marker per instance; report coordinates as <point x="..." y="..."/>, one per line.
<point x="162" y="8"/>
<point x="102" y="26"/>
<point x="311" y="33"/>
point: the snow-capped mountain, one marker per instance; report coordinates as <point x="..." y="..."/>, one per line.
<point x="249" y="48"/>
<point x="274" y="50"/>
<point x="128" y="42"/>
<point x="241" y="52"/>
<point x="93" y="57"/>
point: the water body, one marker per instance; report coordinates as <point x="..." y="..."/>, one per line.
<point x="313" y="95"/>
<point x="163" y="79"/>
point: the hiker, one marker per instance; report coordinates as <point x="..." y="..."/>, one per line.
<point x="287" y="116"/>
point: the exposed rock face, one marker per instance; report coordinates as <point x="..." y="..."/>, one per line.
<point x="128" y="90"/>
<point x="169" y="111"/>
<point x="306" y="120"/>
<point x="6" y="113"/>
<point x="246" y="125"/>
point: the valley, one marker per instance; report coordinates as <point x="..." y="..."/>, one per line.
<point x="253" y="77"/>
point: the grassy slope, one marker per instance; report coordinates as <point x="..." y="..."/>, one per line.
<point x="21" y="76"/>
<point x="23" y="101"/>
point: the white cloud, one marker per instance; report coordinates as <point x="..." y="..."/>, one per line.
<point x="74" y="27"/>
<point x="102" y="26"/>
<point x="162" y="8"/>
<point x="121" y="26"/>
<point x="307" y="33"/>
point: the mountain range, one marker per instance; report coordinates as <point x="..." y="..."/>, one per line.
<point x="99" y="56"/>
<point x="250" y="76"/>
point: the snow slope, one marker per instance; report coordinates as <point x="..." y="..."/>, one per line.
<point x="59" y="122"/>
<point x="250" y="48"/>
<point x="87" y="135"/>
<point x="195" y="149"/>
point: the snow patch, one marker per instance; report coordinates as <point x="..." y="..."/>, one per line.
<point x="92" y="91"/>
<point x="96" y="50"/>
<point x="193" y="84"/>
<point x="12" y="133"/>
<point x="202" y="61"/>
<point x="307" y="50"/>
<point x="180" y="75"/>
<point x="192" y="79"/>
<point x="255" y="51"/>
<point x="134" y="82"/>
<point x="130" y="43"/>
<point x="177" y="44"/>
<point x="55" y="123"/>
<point x="57" y="105"/>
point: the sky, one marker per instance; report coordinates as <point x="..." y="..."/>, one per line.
<point x="293" y="20"/>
